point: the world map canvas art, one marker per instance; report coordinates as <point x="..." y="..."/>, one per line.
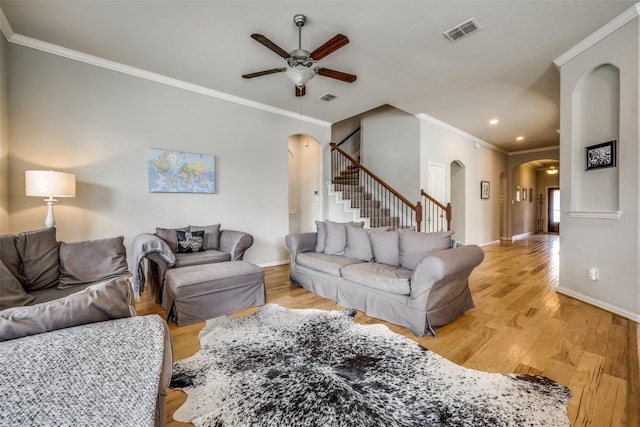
<point x="180" y="172"/>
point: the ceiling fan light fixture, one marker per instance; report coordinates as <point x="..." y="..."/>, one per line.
<point x="300" y="75"/>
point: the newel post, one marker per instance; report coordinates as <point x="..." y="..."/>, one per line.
<point x="449" y="216"/>
<point x="418" y="215"/>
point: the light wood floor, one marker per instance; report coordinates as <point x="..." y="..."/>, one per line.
<point x="520" y="324"/>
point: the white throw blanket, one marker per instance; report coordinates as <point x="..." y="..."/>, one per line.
<point x="143" y="245"/>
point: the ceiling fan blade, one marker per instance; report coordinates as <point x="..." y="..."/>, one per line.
<point x="330" y="46"/>
<point x="338" y="75"/>
<point x="263" y="73"/>
<point x="271" y="45"/>
<point x="301" y="92"/>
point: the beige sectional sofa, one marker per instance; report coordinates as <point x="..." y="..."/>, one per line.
<point x="72" y="350"/>
<point x="416" y="280"/>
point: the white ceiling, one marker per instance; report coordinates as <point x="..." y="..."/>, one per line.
<point x="396" y="49"/>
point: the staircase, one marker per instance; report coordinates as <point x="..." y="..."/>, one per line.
<point x="348" y="183"/>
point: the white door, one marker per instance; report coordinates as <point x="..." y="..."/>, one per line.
<point x="435" y="181"/>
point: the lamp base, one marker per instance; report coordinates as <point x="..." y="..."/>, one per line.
<point x="50" y="220"/>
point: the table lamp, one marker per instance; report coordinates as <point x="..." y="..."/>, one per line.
<point x="50" y="184"/>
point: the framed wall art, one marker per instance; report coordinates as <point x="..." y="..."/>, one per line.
<point x="180" y="172"/>
<point x="484" y="189"/>
<point x="601" y="155"/>
<point x="524" y="194"/>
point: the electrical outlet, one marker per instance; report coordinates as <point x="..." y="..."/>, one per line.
<point x="592" y="273"/>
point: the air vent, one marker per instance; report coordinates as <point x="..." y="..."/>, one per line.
<point x="462" y="30"/>
<point x="328" y="97"/>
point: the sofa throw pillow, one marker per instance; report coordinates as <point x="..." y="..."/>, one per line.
<point x="38" y="251"/>
<point x="190" y="241"/>
<point x="415" y="245"/>
<point x="9" y="256"/>
<point x="358" y="244"/>
<point x="385" y="246"/>
<point x="12" y="294"/>
<point x="211" y="239"/>
<point x="169" y="236"/>
<point x="336" y="239"/>
<point x="321" y="236"/>
<point x="92" y="261"/>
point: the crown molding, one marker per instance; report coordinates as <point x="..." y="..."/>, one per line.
<point x="154" y="77"/>
<point x="5" y="26"/>
<point x="601" y="33"/>
<point x="433" y="120"/>
<point x="534" y="150"/>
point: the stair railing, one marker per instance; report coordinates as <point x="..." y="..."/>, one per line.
<point x="371" y="194"/>
<point x="436" y="216"/>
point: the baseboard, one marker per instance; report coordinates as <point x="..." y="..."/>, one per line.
<point x="600" y="304"/>
<point x="489" y="243"/>
<point x="522" y="236"/>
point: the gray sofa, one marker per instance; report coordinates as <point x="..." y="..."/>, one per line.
<point x="72" y="351"/>
<point x="216" y="246"/>
<point x="416" y="280"/>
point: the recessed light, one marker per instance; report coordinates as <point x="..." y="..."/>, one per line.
<point x="494" y="121"/>
<point x="520" y="138"/>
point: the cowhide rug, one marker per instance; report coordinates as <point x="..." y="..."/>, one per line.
<point x="282" y="367"/>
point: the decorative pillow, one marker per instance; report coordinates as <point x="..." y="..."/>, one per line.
<point x="190" y="241"/>
<point x="92" y="261"/>
<point x="211" y="235"/>
<point x="385" y="246"/>
<point x="321" y="226"/>
<point x="169" y="236"/>
<point x="358" y="244"/>
<point x="336" y="239"/>
<point x="38" y="251"/>
<point x="415" y="245"/>
<point x="111" y="299"/>
<point x="13" y="293"/>
<point x="9" y="256"/>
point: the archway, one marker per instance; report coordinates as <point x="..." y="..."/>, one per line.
<point x="458" y="198"/>
<point x="305" y="180"/>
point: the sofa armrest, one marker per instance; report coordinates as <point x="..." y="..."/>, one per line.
<point x="448" y="267"/>
<point x="301" y="242"/>
<point x="235" y="243"/>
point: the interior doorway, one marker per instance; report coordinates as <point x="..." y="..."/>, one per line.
<point x="305" y="180"/>
<point x="458" y="197"/>
<point x="553" y="213"/>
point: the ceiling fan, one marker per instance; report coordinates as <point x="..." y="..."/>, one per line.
<point x="300" y="62"/>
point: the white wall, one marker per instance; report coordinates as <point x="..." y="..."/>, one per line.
<point x="442" y="144"/>
<point x="608" y="240"/>
<point x="99" y="124"/>
<point x="390" y="148"/>
<point x="4" y="140"/>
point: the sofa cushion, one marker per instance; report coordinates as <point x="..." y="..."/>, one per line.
<point x="111" y="299"/>
<point x="12" y="293"/>
<point x="38" y="251"/>
<point x="386" y="278"/>
<point x="321" y="236"/>
<point x="92" y="261"/>
<point x="211" y="235"/>
<point x="385" y="246"/>
<point x="9" y="256"/>
<point x="198" y="258"/>
<point x="336" y="239"/>
<point x="358" y="244"/>
<point x="170" y="236"/>
<point x="415" y="245"/>
<point x="330" y="264"/>
<point x="190" y="241"/>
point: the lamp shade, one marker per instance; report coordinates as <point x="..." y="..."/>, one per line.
<point x="50" y="184"/>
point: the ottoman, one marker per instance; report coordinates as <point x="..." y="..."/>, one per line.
<point x="200" y="292"/>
